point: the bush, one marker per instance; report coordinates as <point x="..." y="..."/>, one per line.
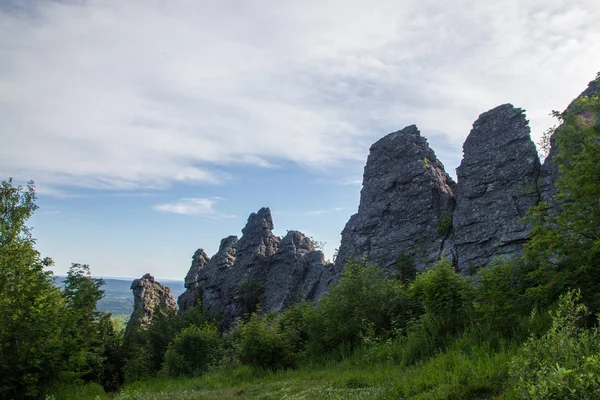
<point x="192" y="351"/>
<point x="564" y="363"/>
<point x="264" y="344"/>
<point x="444" y="296"/>
<point x="363" y="303"/>
<point x="500" y="300"/>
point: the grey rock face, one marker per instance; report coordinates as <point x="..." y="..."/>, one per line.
<point x="189" y="298"/>
<point x="258" y="268"/>
<point x="497" y="184"/>
<point x="294" y="274"/>
<point x="148" y="294"/>
<point x="405" y="197"/>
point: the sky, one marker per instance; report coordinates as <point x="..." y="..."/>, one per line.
<point x="152" y="128"/>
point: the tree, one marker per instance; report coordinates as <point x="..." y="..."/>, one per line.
<point x="444" y="295"/>
<point x="32" y="308"/>
<point x="566" y="243"/>
<point x="85" y="326"/>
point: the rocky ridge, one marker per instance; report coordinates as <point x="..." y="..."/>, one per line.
<point x="259" y="268"/>
<point x="409" y="208"/>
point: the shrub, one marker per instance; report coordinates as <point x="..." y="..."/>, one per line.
<point x="444" y="225"/>
<point x="406" y="268"/>
<point x="564" y="363"/>
<point x="363" y="303"/>
<point x="264" y="344"/>
<point x="249" y="293"/>
<point x="192" y="351"/>
<point x="444" y="296"/>
<point x="500" y="300"/>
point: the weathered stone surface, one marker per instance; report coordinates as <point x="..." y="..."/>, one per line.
<point x="497" y="184"/>
<point x="406" y="194"/>
<point x="189" y="298"/>
<point x="295" y="272"/>
<point x="148" y="294"/>
<point x="259" y="268"/>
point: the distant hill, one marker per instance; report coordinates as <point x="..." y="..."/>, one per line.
<point x="118" y="298"/>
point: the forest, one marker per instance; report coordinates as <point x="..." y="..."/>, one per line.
<point x="523" y="328"/>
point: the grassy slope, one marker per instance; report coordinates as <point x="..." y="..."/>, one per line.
<point x="464" y="371"/>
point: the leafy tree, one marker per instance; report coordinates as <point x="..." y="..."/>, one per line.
<point x="264" y="344"/>
<point x="500" y="299"/>
<point x="566" y="244"/>
<point x="192" y="351"/>
<point x="445" y="296"/>
<point x="32" y="308"/>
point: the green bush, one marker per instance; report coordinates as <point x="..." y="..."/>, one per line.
<point x="363" y="303"/>
<point x="264" y="344"/>
<point x="445" y="296"/>
<point x="562" y="364"/>
<point x="192" y="351"/>
<point x="500" y="301"/>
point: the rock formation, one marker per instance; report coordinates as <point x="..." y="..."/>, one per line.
<point x="409" y="207"/>
<point x="259" y="268"/>
<point x="497" y="184"/>
<point x="148" y="294"/>
<point x="406" y="199"/>
<point x="189" y="298"/>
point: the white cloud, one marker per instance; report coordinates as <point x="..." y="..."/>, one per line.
<point x="141" y="94"/>
<point x="194" y="206"/>
<point x="310" y="213"/>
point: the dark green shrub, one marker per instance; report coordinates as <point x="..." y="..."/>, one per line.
<point x="363" y="303"/>
<point x="562" y="364"/>
<point x="192" y="351"/>
<point x="444" y="295"/>
<point x="264" y="344"/>
<point x="249" y="293"/>
<point x="444" y="224"/>
<point x="500" y="300"/>
<point x="407" y="270"/>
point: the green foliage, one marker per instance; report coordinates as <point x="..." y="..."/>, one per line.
<point x="264" y="343"/>
<point x="363" y="303"/>
<point x="249" y="293"/>
<point x="83" y="331"/>
<point x="562" y="364"/>
<point x="407" y="270"/>
<point x="566" y="245"/>
<point x="444" y="295"/>
<point x="444" y="225"/>
<point x="192" y="351"/>
<point x="32" y="308"/>
<point x="500" y="300"/>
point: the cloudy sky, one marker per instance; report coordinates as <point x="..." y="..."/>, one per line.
<point x="155" y="127"/>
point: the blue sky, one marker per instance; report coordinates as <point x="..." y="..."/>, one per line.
<point x="152" y="128"/>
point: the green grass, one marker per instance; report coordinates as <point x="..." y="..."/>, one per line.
<point x="466" y="370"/>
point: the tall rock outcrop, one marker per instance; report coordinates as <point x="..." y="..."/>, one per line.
<point x="259" y="268"/>
<point x="192" y="294"/>
<point x="497" y="184"/>
<point x="148" y="294"/>
<point x="406" y="199"/>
